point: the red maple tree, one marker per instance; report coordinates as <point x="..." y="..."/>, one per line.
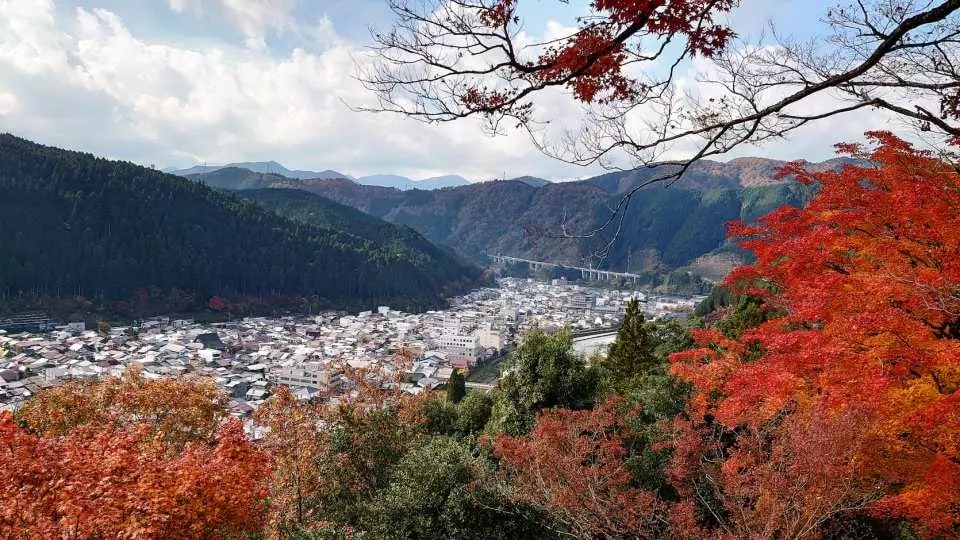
<point x="108" y="483"/>
<point x="572" y="466"/>
<point x="868" y="279"/>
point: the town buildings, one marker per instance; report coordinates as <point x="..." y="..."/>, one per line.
<point x="312" y="355"/>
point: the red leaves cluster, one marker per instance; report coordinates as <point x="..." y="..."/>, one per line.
<point x="107" y="483"/>
<point x="572" y="465"/>
<point x="499" y="14"/>
<point x="869" y="278"/>
<point x="217" y="304"/>
<point x="591" y="62"/>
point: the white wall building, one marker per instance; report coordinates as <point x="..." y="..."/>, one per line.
<point x="306" y="375"/>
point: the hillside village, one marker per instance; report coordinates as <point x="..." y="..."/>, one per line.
<point x="247" y="358"/>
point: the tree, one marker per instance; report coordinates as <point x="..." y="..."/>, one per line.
<point x="444" y="61"/>
<point x="543" y="372"/>
<point x="473" y="413"/>
<point x="631" y="354"/>
<point x="107" y="482"/>
<point x="425" y="483"/>
<point x="216" y="304"/>
<point x="572" y="466"/>
<point x="866" y="284"/>
<point x="294" y="443"/>
<point x="175" y="410"/>
<point x="456" y="387"/>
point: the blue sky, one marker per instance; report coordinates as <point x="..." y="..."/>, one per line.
<point x="177" y="82"/>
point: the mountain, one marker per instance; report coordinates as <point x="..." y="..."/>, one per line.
<point x="664" y="229"/>
<point x="265" y="167"/>
<point x="707" y="174"/>
<point x="312" y="209"/>
<point x="532" y="181"/>
<point x="383" y="180"/>
<point x="235" y="178"/>
<point x="404" y="183"/>
<point x="74" y="225"/>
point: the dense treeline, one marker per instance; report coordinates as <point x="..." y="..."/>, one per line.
<point x="74" y="225"/>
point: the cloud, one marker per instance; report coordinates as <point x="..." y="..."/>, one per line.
<point x="253" y="18"/>
<point x="83" y="79"/>
<point x="88" y="82"/>
<point x="8" y="103"/>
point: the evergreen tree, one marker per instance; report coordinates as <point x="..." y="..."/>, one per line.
<point x="632" y="353"/>
<point x="543" y="372"/>
<point x="456" y="387"/>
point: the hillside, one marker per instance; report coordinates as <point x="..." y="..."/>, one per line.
<point x="75" y="225"/>
<point x="664" y="229"/>
<point x="312" y="209"/>
<point x="272" y="168"/>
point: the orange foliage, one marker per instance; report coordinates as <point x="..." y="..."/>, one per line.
<point x="176" y="410"/>
<point x="102" y="482"/>
<point x="868" y="276"/>
<point x="572" y="465"/>
<point x="295" y="444"/>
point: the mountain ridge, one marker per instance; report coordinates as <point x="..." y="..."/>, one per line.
<point x="664" y="230"/>
<point x="76" y="225"/>
<point x="382" y="180"/>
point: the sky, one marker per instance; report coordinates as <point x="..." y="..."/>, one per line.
<point x="182" y="82"/>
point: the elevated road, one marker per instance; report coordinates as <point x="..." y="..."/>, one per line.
<point x="589" y="274"/>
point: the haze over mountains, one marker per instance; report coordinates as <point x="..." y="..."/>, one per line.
<point x="382" y="180"/>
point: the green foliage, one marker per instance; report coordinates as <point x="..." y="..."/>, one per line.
<point x="631" y="354"/>
<point x="718" y="298"/>
<point x="440" y="417"/>
<point x="363" y="449"/>
<point x="77" y="226"/>
<point x="456" y="387"/>
<point x="426" y="488"/>
<point x="542" y="372"/>
<point x="637" y="367"/>
<point x="747" y="312"/>
<point x="473" y="413"/>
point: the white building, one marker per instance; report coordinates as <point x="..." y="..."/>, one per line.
<point x="489" y="337"/>
<point x="461" y="346"/>
<point x="305" y="375"/>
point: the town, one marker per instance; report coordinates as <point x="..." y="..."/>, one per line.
<point x="249" y="357"/>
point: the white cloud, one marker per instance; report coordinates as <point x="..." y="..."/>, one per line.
<point x="91" y="84"/>
<point x="86" y="81"/>
<point x="253" y="18"/>
<point x="8" y="103"/>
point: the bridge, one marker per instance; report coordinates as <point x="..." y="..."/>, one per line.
<point x="588" y="274"/>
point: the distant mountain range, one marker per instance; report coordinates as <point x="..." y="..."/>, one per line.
<point x="266" y="167"/>
<point x="665" y="229"/>
<point x="381" y="180"/>
<point x="76" y="226"/>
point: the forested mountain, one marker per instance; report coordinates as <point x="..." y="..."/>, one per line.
<point x="306" y="207"/>
<point x="75" y="225"/>
<point x="664" y="228"/>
